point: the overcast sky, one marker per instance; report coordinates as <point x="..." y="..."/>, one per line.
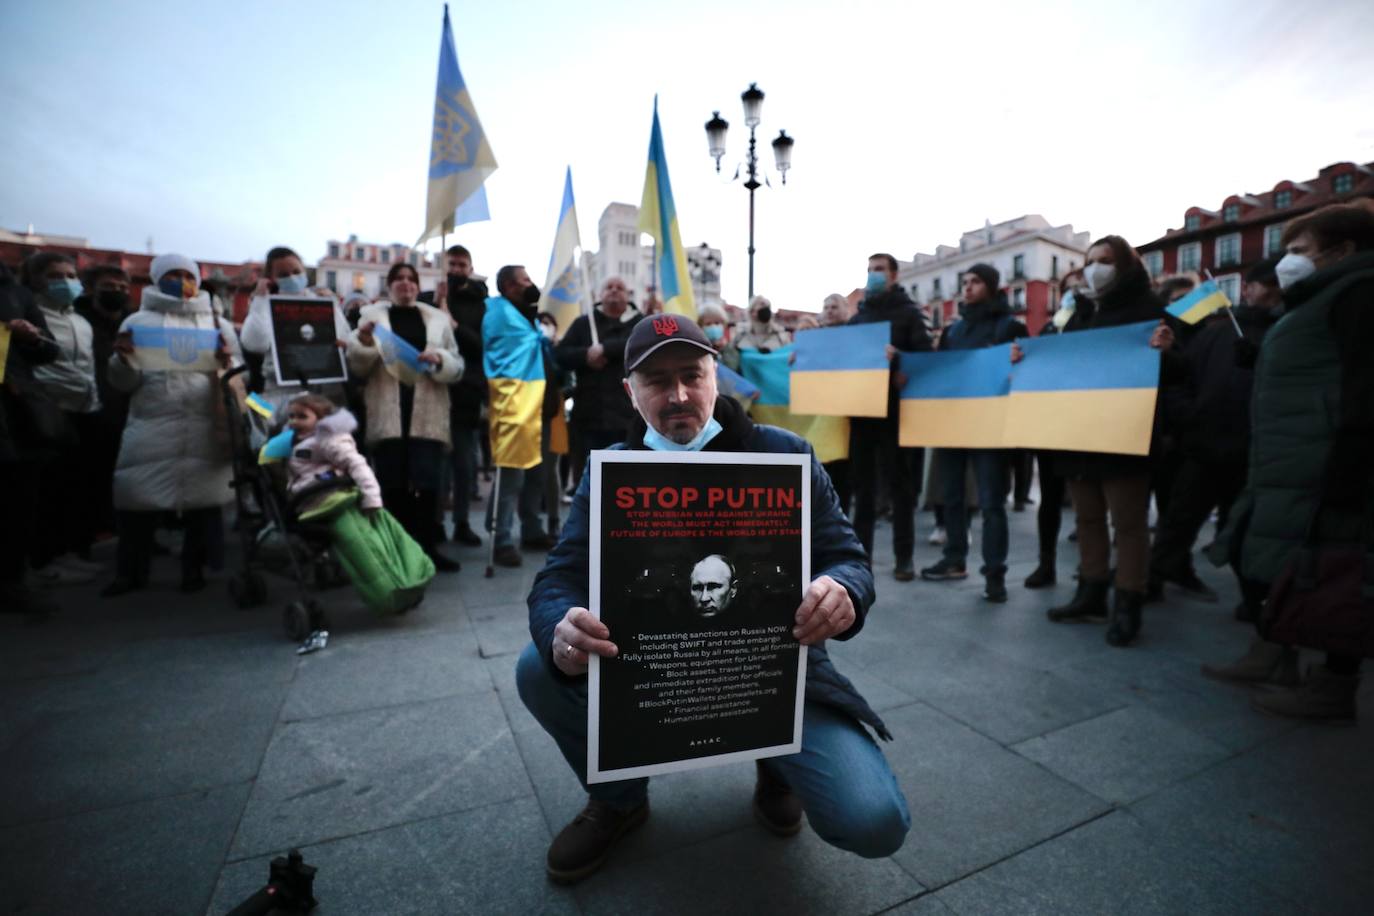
<point x="221" y="130"/>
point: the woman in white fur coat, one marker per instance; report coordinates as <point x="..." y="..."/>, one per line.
<point x="407" y="410"/>
<point x="174" y="456"/>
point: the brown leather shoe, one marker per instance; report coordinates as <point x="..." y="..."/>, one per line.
<point x="775" y="805"/>
<point x="581" y="847"/>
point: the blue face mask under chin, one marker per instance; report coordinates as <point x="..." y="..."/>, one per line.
<point x="660" y="443"/>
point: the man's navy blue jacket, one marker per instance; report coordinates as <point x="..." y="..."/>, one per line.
<point x="835" y="552"/>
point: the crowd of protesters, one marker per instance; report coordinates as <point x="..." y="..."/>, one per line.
<point x="1264" y="420"/>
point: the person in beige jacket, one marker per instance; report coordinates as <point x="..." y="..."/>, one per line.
<point x="406" y="396"/>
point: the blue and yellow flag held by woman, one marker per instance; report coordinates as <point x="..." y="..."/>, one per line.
<point x="512" y="356"/>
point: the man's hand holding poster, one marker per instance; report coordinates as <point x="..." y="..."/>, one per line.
<point x="698" y="566"/>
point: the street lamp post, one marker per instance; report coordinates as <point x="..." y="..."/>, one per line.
<point x="782" y="154"/>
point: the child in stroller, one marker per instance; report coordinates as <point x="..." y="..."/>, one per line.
<point x="330" y="483"/>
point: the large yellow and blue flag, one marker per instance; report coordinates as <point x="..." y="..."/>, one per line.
<point x="842" y="372"/>
<point x="1090" y="391"/>
<point x="955" y="398"/>
<point x="1205" y="299"/>
<point x="563" y="287"/>
<point x="658" y="217"/>
<point x="770" y="374"/>
<point x="512" y="356"/>
<point x="460" y="159"/>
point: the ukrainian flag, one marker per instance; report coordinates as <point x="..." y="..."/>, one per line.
<point x="512" y="356"/>
<point x="658" y="217"/>
<point x="563" y="286"/>
<point x="955" y="398"/>
<point x="1089" y="391"/>
<point x="770" y="373"/>
<point x="460" y="159"/>
<point x="842" y="372"/>
<point x="1205" y="299"/>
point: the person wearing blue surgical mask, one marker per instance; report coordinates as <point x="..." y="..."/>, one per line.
<point x="283" y="274"/>
<point x="62" y="542"/>
<point x="874" y="452"/>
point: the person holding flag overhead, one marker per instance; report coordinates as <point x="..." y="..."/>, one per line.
<point x="404" y="352"/>
<point x="594" y="349"/>
<point x="513" y="356"/>
<point x="873" y="448"/>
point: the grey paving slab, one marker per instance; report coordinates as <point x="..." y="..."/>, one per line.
<point x="506" y="586"/>
<point x="159" y="718"/>
<point x="1001" y="698"/>
<point x="355" y="673"/>
<point x="1124" y="755"/>
<point x="158" y="857"/>
<point x="339" y="775"/>
<point x="501" y="629"/>
<point x="1174" y="687"/>
<point x="972" y="801"/>
<point x="927" y="904"/>
<point x="1112" y="865"/>
<point x="749" y="871"/>
<point x="488" y="860"/>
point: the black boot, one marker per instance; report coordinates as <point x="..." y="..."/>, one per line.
<point x="1125" y="623"/>
<point x="1089" y="603"/>
<point x="1044" y="573"/>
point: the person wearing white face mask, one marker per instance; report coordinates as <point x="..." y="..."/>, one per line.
<point x="1311" y="463"/>
<point x="1101" y="485"/>
<point x="283" y="274"/>
<point x="65" y="532"/>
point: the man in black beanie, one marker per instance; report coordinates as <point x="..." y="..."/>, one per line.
<point x="986" y="322"/>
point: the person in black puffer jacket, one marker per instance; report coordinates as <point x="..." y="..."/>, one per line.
<point x="1213" y="419"/>
<point x="1118" y="293"/>
<point x="873" y="449"/>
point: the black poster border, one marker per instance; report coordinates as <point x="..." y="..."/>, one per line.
<point x="598" y="459"/>
<point x="276" y="346"/>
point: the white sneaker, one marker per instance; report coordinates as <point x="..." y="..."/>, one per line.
<point x="937" y="537"/>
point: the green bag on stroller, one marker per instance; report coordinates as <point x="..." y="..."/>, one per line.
<point x="386" y="566"/>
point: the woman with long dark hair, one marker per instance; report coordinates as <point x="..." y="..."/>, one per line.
<point x="407" y="408"/>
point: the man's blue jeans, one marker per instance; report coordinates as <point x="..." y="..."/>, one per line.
<point x="843" y="780"/>
<point x="990" y="471"/>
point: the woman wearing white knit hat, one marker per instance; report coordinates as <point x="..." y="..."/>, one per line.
<point x="174" y="455"/>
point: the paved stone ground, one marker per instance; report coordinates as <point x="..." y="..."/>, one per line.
<point x="159" y="750"/>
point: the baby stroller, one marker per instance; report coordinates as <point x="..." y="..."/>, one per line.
<point x="266" y="517"/>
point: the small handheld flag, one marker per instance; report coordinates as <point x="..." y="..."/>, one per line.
<point x="259" y="405"/>
<point x="1205" y="299"/>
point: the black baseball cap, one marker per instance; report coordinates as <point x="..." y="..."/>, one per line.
<point x="657" y="331"/>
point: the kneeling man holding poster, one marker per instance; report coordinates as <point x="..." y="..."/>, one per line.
<point x="668" y="622"/>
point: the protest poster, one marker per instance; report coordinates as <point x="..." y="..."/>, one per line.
<point x="303" y="342"/>
<point x="698" y="564"/>
<point x="163" y="349"/>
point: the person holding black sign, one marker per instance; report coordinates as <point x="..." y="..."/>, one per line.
<point x="283" y="274"/>
<point x="672" y="383"/>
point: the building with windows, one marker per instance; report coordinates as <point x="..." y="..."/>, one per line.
<point x="354" y="266"/>
<point x="1247" y="228"/>
<point x="621" y="253"/>
<point x="1030" y="254"/>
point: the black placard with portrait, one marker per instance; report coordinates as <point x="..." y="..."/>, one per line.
<point x="303" y="341"/>
<point x="699" y="561"/>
